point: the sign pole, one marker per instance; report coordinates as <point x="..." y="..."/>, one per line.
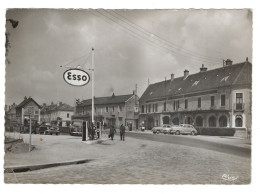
<point x="30" y="139"/>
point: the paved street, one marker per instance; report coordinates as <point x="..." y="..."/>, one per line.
<point x="135" y="161"/>
<point x="241" y="148"/>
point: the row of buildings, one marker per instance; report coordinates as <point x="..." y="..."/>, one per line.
<point x="221" y="97"/>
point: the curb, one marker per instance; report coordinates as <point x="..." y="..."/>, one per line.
<point x="91" y="142"/>
<point x="18" y="169"/>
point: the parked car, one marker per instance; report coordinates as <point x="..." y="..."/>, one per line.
<point x="184" y="129"/>
<point x="157" y="130"/>
<point x="42" y="128"/>
<point x="169" y="130"/>
<point x="75" y="131"/>
<point x="52" y="130"/>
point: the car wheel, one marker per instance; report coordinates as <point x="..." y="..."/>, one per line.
<point x="192" y="133"/>
<point x="50" y="133"/>
<point x="158" y="132"/>
<point x="177" y="132"/>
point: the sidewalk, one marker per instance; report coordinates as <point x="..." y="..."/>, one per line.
<point x="66" y="149"/>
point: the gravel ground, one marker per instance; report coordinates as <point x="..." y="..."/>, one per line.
<point x="146" y="163"/>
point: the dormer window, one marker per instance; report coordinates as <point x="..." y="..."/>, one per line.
<point x="225" y="78"/>
<point x="195" y="83"/>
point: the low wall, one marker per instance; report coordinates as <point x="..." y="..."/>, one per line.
<point x="216" y="131"/>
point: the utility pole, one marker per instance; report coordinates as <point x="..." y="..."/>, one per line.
<point x="92" y="73"/>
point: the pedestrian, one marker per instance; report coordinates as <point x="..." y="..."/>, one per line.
<point x="112" y="132"/>
<point x="122" y="132"/>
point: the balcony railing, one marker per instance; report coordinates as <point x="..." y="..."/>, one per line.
<point x="239" y="106"/>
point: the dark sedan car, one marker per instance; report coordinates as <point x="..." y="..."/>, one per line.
<point x="52" y="130"/>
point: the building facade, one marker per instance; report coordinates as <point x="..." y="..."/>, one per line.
<point x="26" y="108"/>
<point x="57" y="114"/>
<point x="111" y="110"/>
<point x="217" y="98"/>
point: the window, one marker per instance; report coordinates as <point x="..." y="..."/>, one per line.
<point x="149" y="108"/>
<point x="164" y="106"/>
<point x="239" y="122"/>
<point x="199" y="102"/>
<point x="119" y="108"/>
<point x="212" y="121"/>
<point x="146" y="108"/>
<point x="225" y="78"/>
<point x="223" y="99"/>
<point x="195" y="83"/>
<point x="106" y="108"/>
<point x="176" y="121"/>
<point x="175" y="104"/>
<point x="212" y="101"/>
<point x="239" y="101"/>
<point x="199" y="121"/>
<point x="142" y="108"/>
<point x="155" y="107"/>
<point x="223" y="121"/>
<point x="186" y="103"/>
<point x="68" y="115"/>
<point x="113" y="108"/>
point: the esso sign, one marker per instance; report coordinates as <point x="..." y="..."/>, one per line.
<point x="76" y="77"/>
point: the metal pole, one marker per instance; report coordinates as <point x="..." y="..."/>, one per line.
<point x="30" y="139"/>
<point x="93" y="85"/>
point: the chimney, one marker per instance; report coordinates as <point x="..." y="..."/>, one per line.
<point x="247" y="59"/>
<point x="228" y="62"/>
<point x="203" y="69"/>
<point x="25" y="98"/>
<point x="113" y="95"/>
<point x="186" y="74"/>
<point x="172" y="77"/>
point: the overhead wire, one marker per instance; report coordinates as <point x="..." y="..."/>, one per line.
<point x="148" y="41"/>
<point x="159" y="38"/>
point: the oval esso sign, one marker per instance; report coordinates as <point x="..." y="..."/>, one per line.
<point x="76" y="77"/>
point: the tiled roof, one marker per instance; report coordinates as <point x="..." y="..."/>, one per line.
<point x="25" y="101"/>
<point x="65" y="107"/>
<point x="107" y="100"/>
<point x="55" y="107"/>
<point x="213" y="79"/>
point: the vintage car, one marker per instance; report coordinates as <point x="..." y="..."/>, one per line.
<point x="52" y="130"/>
<point x="75" y="131"/>
<point x="157" y="130"/>
<point x="184" y="129"/>
<point x="169" y="130"/>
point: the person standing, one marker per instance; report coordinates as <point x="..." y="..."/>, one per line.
<point x="112" y="132"/>
<point x="122" y="132"/>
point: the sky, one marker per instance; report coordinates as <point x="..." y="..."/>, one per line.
<point x="130" y="47"/>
